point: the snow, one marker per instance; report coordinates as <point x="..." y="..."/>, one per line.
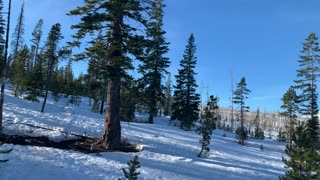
<point x="169" y="152"/>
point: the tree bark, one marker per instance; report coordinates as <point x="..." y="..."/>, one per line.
<point x="4" y="67"/>
<point x="49" y="75"/>
<point x="111" y="136"/>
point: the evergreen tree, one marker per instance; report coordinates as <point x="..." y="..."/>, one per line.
<point x="303" y="162"/>
<point x="17" y="36"/>
<point x="95" y="82"/>
<point x="52" y="55"/>
<point x="240" y="95"/>
<point x="68" y="80"/>
<point x="129" y="96"/>
<point x="281" y="136"/>
<point x="290" y="109"/>
<point x="185" y="107"/>
<point x="258" y="132"/>
<point x="132" y="172"/>
<point x="307" y="83"/>
<point x="154" y="64"/>
<point x="36" y="38"/>
<point x="34" y="82"/>
<point x="19" y="70"/>
<point x="168" y="97"/>
<point x="97" y="73"/>
<point x="208" y="124"/>
<point x="108" y="16"/>
<point x="256" y="120"/>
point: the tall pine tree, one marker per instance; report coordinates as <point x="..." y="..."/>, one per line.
<point x="17" y="36"/>
<point x="185" y="107"/>
<point x="52" y="55"/>
<point x="307" y="83"/>
<point x="240" y="96"/>
<point x="109" y="16"/>
<point x="19" y="69"/>
<point x="154" y="63"/>
<point x="36" y="39"/>
<point x="290" y="109"/>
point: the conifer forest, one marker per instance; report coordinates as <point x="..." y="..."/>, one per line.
<point x="159" y="89"/>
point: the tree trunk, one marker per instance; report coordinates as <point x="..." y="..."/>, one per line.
<point x="102" y="100"/>
<point x="4" y="67"/>
<point x="111" y="136"/>
<point x="49" y="74"/>
<point x="150" y="118"/>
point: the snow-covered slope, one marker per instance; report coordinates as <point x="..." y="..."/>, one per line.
<point x="169" y="153"/>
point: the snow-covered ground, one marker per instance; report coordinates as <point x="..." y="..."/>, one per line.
<point x="169" y="152"/>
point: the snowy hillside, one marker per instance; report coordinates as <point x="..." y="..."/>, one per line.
<point x="169" y="153"/>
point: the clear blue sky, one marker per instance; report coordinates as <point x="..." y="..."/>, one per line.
<point x="257" y="39"/>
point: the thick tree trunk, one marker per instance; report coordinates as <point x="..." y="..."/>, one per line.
<point x="4" y="67"/>
<point x="111" y="136"/>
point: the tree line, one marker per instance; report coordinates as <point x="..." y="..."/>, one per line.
<point x="121" y="31"/>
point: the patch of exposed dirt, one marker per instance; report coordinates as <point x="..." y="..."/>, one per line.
<point x="84" y="144"/>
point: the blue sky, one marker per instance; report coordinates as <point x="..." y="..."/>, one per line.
<point x="257" y="39"/>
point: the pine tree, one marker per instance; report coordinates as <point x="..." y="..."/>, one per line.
<point x="98" y="73"/>
<point x="52" y="55"/>
<point x="34" y="82"/>
<point x="68" y="79"/>
<point x="108" y="16"/>
<point x="290" y="107"/>
<point x="94" y="84"/>
<point x="303" y="161"/>
<point x="258" y="132"/>
<point x="128" y="99"/>
<point x="307" y="83"/>
<point x="256" y="120"/>
<point x="240" y="95"/>
<point x="17" y="36"/>
<point x="168" y="97"/>
<point x="281" y="136"/>
<point x="185" y="107"/>
<point x="132" y="172"/>
<point x="19" y="70"/>
<point x="208" y="124"/>
<point x="36" y="38"/>
<point x="154" y="64"/>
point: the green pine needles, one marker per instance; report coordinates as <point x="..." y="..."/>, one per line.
<point x="307" y="84"/>
<point x="303" y="161"/>
<point x="185" y="107"/>
<point x="131" y="173"/>
<point x="208" y="124"/>
<point x="240" y="95"/>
